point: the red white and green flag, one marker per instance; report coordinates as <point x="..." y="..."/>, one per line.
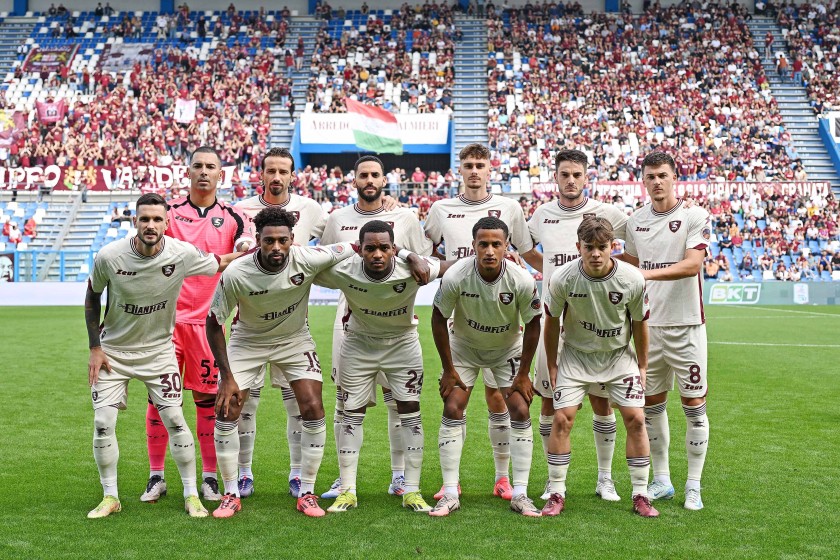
<point x="374" y="129"/>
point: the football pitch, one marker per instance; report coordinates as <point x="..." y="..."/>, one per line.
<point x="768" y="485"/>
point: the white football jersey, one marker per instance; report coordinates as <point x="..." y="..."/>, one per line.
<point x="596" y="311"/>
<point x="379" y="308"/>
<point x="311" y="218"/>
<point x="661" y="239"/>
<point x="143" y="291"/>
<point x="344" y="225"/>
<point x="487" y="314"/>
<point x="556" y="227"/>
<point x="272" y="305"/>
<point x="451" y="220"/>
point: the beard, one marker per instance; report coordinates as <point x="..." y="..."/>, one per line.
<point x="369" y="198"/>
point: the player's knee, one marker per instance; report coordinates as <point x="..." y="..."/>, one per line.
<point x="635" y="422"/>
<point x="104" y="421"/>
<point x="173" y="419"/>
<point x="408" y="407"/>
<point x="453" y="409"/>
<point x="692" y="401"/>
<point x="547" y="407"/>
<point x="563" y="423"/>
<point x="518" y="410"/>
<point x="311" y="407"/>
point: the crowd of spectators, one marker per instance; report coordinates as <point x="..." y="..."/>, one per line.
<point x="813" y="37"/>
<point x="403" y="62"/>
<point x="684" y="78"/>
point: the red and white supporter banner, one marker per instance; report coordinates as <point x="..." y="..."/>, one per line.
<point x="50" y="60"/>
<point x="185" y="110"/>
<point x="107" y="178"/>
<point x="696" y="189"/>
<point x="51" y="111"/>
<point x="119" y="57"/>
<point x="335" y="128"/>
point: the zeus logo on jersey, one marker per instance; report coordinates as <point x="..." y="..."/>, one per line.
<point x="467" y="294"/>
<point x="183" y="219"/>
<point x="456" y="216"/>
<point x="134" y="309"/>
<point x="122" y="272"/>
<point x="572" y="294"/>
<point x="488" y="329"/>
<point x="603" y="333"/>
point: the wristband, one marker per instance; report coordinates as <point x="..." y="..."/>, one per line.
<point x="404" y="254"/>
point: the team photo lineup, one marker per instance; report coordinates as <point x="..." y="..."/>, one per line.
<point x="213" y="297"/>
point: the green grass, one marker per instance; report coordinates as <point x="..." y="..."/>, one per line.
<point x="769" y="484"/>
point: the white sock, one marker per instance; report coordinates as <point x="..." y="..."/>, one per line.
<point x="696" y="442"/>
<point x="659" y="435"/>
<point x="294" y="428"/>
<point x="545" y="431"/>
<point x="521" y="453"/>
<point x="639" y="472"/>
<point x="338" y="417"/>
<point x="155" y="473"/>
<point x="498" y="425"/>
<point x="394" y="433"/>
<point x="412" y="437"/>
<point x="106" y="452"/>
<point x="182" y="446"/>
<point x="350" y="444"/>
<point x="558" y="468"/>
<point x="226" y="440"/>
<point x="603" y="429"/>
<point x="312" y="441"/>
<point x="248" y="432"/>
<point x="450" y="446"/>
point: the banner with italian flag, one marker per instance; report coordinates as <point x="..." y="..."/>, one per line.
<point x="374" y="129"/>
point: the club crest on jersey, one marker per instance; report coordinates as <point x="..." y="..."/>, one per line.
<point x="399" y="288"/>
<point x="615" y="297"/>
<point x="506" y="297"/>
<point x="94" y="395"/>
<point x="297" y="279"/>
<point x="217" y="221"/>
<point x="168" y="270"/>
<point x="674" y="225"/>
<point x="494" y="213"/>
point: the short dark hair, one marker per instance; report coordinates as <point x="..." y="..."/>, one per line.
<point x="376" y="226"/>
<point x="595" y="229"/>
<point x="475" y="151"/>
<point x="151" y="199"/>
<point x="575" y="156"/>
<point x="278" y="152"/>
<point x="655" y="159"/>
<point x="207" y="150"/>
<point x="363" y="159"/>
<point x="490" y="223"/>
<point x="274" y="216"/>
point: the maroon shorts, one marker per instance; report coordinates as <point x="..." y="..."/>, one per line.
<point x="195" y="359"/>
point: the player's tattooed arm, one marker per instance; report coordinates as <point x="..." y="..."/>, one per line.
<point x="522" y="382"/>
<point x="449" y="379"/>
<point x="97" y="359"/>
<point x="229" y="399"/>
<point x="640" y="340"/>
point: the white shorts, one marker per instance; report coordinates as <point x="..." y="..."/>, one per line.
<point x="157" y="368"/>
<point x="678" y="352"/>
<point x="615" y="372"/>
<point x="542" y="383"/>
<point x="364" y="359"/>
<point x="499" y="366"/>
<point x="289" y="360"/>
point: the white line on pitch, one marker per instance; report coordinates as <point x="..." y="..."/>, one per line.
<point x="834" y="315"/>
<point x="750" y="317"/>
<point x="730" y="343"/>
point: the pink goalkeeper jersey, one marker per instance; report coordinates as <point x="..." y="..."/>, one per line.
<point x="215" y="230"/>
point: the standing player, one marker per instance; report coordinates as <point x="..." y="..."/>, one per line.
<point x="601" y="300"/>
<point x="668" y="241"/>
<point x="381" y="336"/>
<point x="215" y="227"/>
<point x="270" y="286"/>
<point x="488" y="299"/>
<point x="278" y="172"/>
<point x="450" y="223"/>
<point x="555" y="225"/>
<point x="344" y="225"/>
<point x="143" y="275"/>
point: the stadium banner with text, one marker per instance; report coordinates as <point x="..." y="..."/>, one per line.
<point x="49" y="60"/>
<point x="51" y="111"/>
<point x="834" y="125"/>
<point x="771" y="293"/>
<point x="336" y="128"/>
<point x="119" y="57"/>
<point x="150" y="178"/>
<point x="629" y="190"/>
